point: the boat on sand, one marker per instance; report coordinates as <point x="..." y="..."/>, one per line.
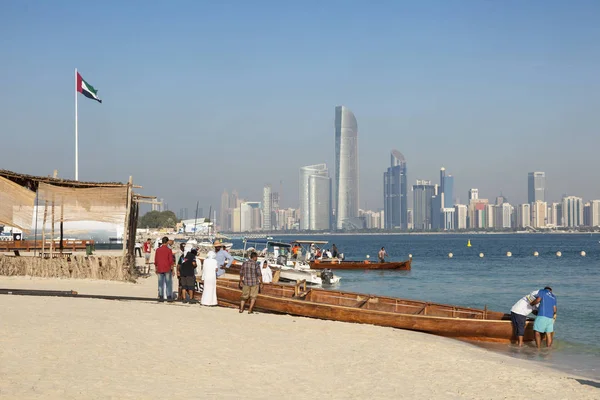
<point x="438" y="319"/>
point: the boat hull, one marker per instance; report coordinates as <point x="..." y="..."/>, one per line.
<point x="496" y="330"/>
<point x="358" y="265"/>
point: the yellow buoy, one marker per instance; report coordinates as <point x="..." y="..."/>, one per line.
<point x="469" y="243"/>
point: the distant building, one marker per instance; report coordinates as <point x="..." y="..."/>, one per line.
<point x="572" y="210"/>
<point x="410" y="219"/>
<point x="460" y="216"/>
<point x="506" y="211"/>
<point x="448" y="219"/>
<point x="536" y="187"/>
<point x="595" y="213"/>
<point x="267" y="208"/>
<point x="490" y="214"/>
<point x="473" y="194"/>
<point x="395" y="193"/>
<point x="250" y="216"/>
<point x="346" y="169"/>
<point x="315" y="197"/>
<point x="538" y="214"/>
<point x="423" y="193"/>
<point x="447" y="188"/>
<point x="524" y="215"/>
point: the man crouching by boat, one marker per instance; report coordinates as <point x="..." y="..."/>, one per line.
<point x="250" y="282"/>
<point x="519" y="313"/>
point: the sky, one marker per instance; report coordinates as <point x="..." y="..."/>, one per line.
<point x="205" y="96"/>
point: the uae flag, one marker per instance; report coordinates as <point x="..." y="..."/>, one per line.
<point x="86" y="89"/>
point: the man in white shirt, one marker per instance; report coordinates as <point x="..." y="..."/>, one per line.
<point x="519" y="313"/>
<point x="267" y="273"/>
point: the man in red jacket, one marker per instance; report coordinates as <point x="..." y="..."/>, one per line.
<point x="163" y="263"/>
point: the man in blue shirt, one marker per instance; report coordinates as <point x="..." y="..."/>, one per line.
<point x="544" y="322"/>
<point x="222" y="256"/>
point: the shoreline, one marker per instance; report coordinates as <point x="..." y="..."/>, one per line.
<point x="67" y="330"/>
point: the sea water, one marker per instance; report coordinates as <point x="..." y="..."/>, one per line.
<point x="494" y="280"/>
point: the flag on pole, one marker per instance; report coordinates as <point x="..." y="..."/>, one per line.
<point x="86" y="89"/>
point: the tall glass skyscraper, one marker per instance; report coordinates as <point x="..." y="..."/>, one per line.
<point x="447" y="188"/>
<point x="346" y="170"/>
<point x="536" y="187"/>
<point x="315" y="198"/>
<point x="423" y="195"/>
<point x="395" y="191"/>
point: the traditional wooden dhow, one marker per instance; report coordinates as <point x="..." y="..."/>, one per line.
<point x="360" y="265"/>
<point x="438" y="319"/>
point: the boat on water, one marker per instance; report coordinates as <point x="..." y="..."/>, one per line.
<point x="438" y="319"/>
<point x="360" y="265"/>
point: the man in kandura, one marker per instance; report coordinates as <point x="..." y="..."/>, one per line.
<point x="382" y="254"/>
<point x="163" y="263"/>
<point x="519" y="313"/>
<point x="250" y="281"/>
<point x="224" y="259"/>
<point x="544" y="322"/>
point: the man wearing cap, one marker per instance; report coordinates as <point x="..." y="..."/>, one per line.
<point x="222" y="256"/>
<point x="544" y="322"/>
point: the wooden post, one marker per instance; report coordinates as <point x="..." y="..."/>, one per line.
<point x="62" y="212"/>
<point x="127" y="217"/>
<point x="52" y="230"/>
<point x="44" y="227"/>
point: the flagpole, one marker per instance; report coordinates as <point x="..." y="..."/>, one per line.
<point x="76" y="135"/>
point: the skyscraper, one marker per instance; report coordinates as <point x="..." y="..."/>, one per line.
<point x="572" y="211"/>
<point x="267" y="208"/>
<point x="536" y="187"/>
<point x="423" y="193"/>
<point x="346" y="170"/>
<point x="447" y="188"/>
<point x="473" y="194"/>
<point x="310" y="189"/>
<point x="395" y="193"/>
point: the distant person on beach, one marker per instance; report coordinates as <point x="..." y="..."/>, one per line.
<point x="250" y="282"/>
<point x="267" y="273"/>
<point x="163" y="262"/>
<point x="382" y="255"/>
<point x="222" y="256"/>
<point x="138" y="249"/>
<point x="544" y="322"/>
<point x="179" y="256"/>
<point x="147" y="254"/>
<point x="209" y="278"/>
<point x="187" y="277"/>
<point x="519" y="313"/>
<point x="334" y="251"/>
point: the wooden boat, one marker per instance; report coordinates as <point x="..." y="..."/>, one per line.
<point x="438" y="319"/>
<point x="360" y="265"/>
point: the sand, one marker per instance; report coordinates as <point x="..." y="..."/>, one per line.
<point x="61" y="348"/>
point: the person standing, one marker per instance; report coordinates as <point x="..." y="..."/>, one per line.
<point x="334" y="251"/>
<point x="138" y="249"/>
<point x="266" y="272"/>
<point x="187" y="279"/>
<point x="544" y="322"/>
<point x="222" y="256"/>
<point x="147" y="254"/>
<point x="163" y="263"/>
<point x="209" y="277"/>
<point x="250" y="282"/>
<point x="519" y="313"/>
<point x="382" y="255"/>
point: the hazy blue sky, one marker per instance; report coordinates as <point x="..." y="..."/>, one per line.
<point x="203" y="96"/>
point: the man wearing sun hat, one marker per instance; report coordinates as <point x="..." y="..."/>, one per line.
<point x="222" y="256"/>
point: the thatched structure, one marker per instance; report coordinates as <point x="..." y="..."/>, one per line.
<point x="64" y="200"/>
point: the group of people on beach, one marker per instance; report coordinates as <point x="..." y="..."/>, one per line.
<point x="195" y="274"/>
<point x="542" y="303"/>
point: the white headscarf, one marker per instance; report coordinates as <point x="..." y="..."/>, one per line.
<point x="211" y="254"/>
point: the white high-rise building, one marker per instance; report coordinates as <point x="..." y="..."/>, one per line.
<point x="267" y="208"/>
<point x="460" y="216"/>
<point x="473" y="194"/>
<point x="315" y="197"/>
<point x="507" y="211"/>
<point x="490" y="213"/>
<point x="595" y="213"/>
<point x="250" y="216"/>
<point x="346" y="170"/>
<point x="538" y="214"/>
<point x="524" y="215"/>
<point x="572" y="211"/>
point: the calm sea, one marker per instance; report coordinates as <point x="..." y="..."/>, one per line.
<point x="495" y="280"/>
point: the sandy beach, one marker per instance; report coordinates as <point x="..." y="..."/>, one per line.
<point x="86" y="348"/>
